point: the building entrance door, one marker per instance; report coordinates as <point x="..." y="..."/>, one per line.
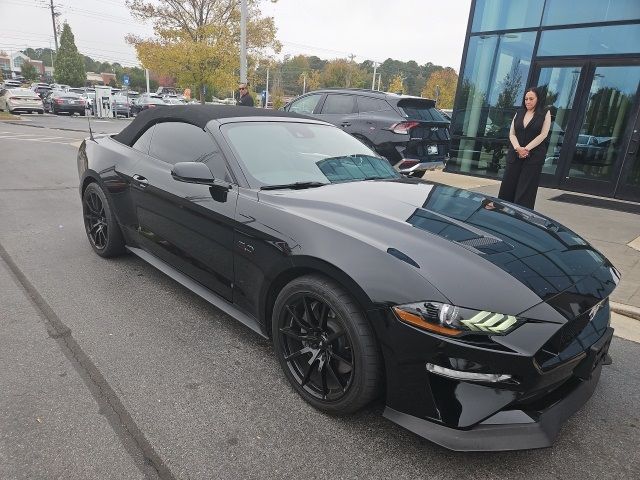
<point x="594" y="107"/>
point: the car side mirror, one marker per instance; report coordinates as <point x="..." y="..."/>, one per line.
<point x="192" y="172"/>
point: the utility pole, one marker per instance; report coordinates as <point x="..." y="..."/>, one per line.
<point x="379" y="80"/>
<point x="243" y="42"/>
<point x="53" y="21"/>
<point x="266" y="97"/>
<point x="373" y="82"/>
<point x="146" y="71"/>
<point x="304" y="83"/>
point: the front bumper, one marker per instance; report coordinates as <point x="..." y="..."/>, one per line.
<point x="515" y="429"/>
<point x="523" y="412"/>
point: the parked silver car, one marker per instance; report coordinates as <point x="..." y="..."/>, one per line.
<point x="20" y="100"/>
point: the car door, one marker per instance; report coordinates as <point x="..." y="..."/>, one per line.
<point x="340" y="109"/>
<point x="187" y="225"/>
<point x="373" y="115"/>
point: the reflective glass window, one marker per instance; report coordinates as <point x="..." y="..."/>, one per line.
<point x="634" y="175"/>
<point x="305" y="105"/>
<point x="492" y="15"/>
<point x="338" y="104"/>
<point x="493" y="84"/>
<point x="561" y="12"/>
<point x="613" y="39"/>
<point x="175" y="142"/>
<point x="560" y="84"/>
<point x="368" y="104"/>
<point x="482" y="156"/>
<point x="602" y="133"/>
<point x="142" y="144"/>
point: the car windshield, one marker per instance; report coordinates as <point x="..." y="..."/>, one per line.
<point x="283" y="153"/>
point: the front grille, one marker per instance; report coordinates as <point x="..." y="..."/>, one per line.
<point x="575" y="337"/>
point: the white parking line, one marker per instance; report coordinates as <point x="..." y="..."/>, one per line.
<point x="11" y="135"/>
<point x="69" y="141"/>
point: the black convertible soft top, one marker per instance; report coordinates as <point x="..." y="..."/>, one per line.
<point x="198" y="115"/>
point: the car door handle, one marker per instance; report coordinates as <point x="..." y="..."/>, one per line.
<point x="140" y="180"/>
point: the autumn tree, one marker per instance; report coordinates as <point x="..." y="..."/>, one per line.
<point x="69" y="64"/>
<point x="197" y="41"/>
<point x="441" y="85"/>
<point x="397" y="84"/>
<point x="311" y="79"/>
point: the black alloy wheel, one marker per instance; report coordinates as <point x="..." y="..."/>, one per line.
<point x="101" y="226"/>
<point x="325" y="345"/>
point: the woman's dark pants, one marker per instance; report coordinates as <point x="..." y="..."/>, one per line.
<point x="520" y="182"/>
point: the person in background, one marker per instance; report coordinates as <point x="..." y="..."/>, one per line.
<point x="246" y="99"/>
<point x="528" y="136"/>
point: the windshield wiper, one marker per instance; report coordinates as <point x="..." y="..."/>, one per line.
<point x="294" y="186"/>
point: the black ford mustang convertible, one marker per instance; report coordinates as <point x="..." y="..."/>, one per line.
<point x="482" y="324"/>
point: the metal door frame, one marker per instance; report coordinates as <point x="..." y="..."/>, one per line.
<point x="621" y="169"/>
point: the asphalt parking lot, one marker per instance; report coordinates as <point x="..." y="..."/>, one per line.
<point x="113" y="370"/>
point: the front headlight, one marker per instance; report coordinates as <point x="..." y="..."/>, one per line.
<point x="452" y="321"/>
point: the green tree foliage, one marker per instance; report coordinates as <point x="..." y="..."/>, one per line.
<point x="43" y="54"/>
<point x="69" y="64"/>
<point x="288" y="74"/>
<point x="29" y="72"/>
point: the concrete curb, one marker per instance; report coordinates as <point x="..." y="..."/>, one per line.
<point x="626" y="310"/>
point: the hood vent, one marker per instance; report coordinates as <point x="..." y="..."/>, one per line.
<point x="480" y="242"/>
<point x="486" y="245"/>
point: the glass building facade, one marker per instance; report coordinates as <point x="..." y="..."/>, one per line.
<point x="586" y="57"/>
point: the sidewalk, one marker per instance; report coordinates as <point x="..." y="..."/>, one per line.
<point x="614" y="232"/>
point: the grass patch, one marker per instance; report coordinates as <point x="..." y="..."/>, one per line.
<point x="9" y="116"/>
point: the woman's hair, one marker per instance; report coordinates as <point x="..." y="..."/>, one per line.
<point x="540" y="95"/>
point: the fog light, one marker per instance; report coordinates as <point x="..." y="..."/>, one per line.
<point x="467" y="376"/>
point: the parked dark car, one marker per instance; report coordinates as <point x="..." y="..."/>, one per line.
<point x="59" y="101"/>
<point x="146" y="102"/>
<point x="41" y="90"/>
<point x="408" y="131"/>
<point x="484" y="324"/>
<point x="121" y="105"/>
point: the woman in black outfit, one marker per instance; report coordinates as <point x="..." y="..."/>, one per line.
<point x="528" y="136"/>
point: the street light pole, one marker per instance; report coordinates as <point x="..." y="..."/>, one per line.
<point x="243" y="42"/>
<point x="373" y="82"/>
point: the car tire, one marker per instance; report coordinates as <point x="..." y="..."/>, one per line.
<point x="82" y="114"/>
<point x="325" y="345"/>
<point x="40" y="112"/>
<point x="100" y="223"/>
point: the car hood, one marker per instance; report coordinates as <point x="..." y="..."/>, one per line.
<point x="478" y="251"/>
